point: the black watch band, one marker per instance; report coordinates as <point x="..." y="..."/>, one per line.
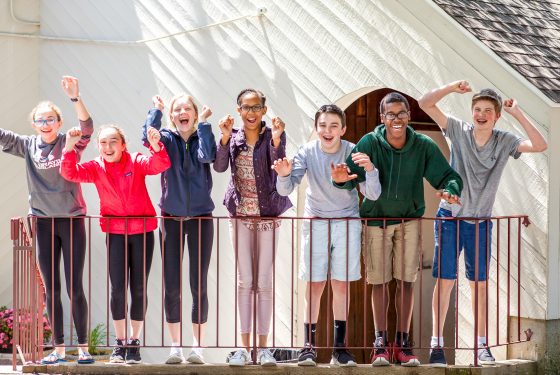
<point x="75" y="99"/>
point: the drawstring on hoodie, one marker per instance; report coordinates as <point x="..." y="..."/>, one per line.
<point x="391" y="176"/>
<point x="398" y="177"/>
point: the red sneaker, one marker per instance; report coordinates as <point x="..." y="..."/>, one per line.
<point x="380" y="355"/>
<point x="404" y="356"/>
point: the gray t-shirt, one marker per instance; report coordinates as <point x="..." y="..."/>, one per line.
<point x="49" y="193"/>
<point x="322" y="198"/>
<point x="480" y="167"/>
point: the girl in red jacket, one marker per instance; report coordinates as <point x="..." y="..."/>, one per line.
<point x="120" y="181"/>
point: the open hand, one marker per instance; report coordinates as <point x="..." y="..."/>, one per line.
<point x="283" y="167"/>
<point x="70" y="86"/>
<point x="341" y="174"/>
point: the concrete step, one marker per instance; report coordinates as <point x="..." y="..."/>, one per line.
<point x="510" y="367"/>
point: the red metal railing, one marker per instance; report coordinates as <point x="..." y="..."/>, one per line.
<point x="29" y="293"/>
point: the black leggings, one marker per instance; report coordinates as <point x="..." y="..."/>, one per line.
<point x="172" y="251"/>
<point x="129" y="261"/>
<point x="53" y="240"/>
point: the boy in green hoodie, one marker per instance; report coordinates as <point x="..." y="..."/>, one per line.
<point x="404" y="158"/>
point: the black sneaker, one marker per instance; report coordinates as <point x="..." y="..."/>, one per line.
<point x="307" y="356"/>
<point x="485" y="357"/>
<point x="437" y="357"/>
<point x="133" y="352"/>
<point x="119" y="352"/>
<point x="343" y="358"/>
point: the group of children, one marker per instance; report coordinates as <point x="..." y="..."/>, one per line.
<point x="388" y="165"/>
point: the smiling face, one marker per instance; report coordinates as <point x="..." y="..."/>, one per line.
<point x="396" y="127"/>
<point x="46" y="123"/>
<point x="111" y="144"/>
<point x="251" y="110"/>
<point x="183" y="114"/>
<point x="484" y="114"/>
<point x="330" y="130"/>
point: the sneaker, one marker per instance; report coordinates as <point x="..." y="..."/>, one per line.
<point x="119" y="352"/>
<point x="405" y="357"/>
<point x="240" y="358"/>
<point x="343" y="358"/>
<point x="175" y="356"/>
<point x="485" y="357"/>
<point x="85" y="358"/>
<point x="195" y="356"/>
<point x="52" y="359"/>
<point x="133" y="352"/>
<point x="437" y="357"/>
<point x="380" y="354"/>
<point x="307" y="356"/>
<point x="265" y="357"/>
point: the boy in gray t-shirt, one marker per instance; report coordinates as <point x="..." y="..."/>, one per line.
<point x="479" y="153"/>
<point x="334" y="240"/>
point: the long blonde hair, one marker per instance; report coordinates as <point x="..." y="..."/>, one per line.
<point x="172" y="104"/>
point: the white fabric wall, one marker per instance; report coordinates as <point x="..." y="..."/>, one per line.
<point x="301" y="54"/>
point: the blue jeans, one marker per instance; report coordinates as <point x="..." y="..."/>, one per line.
<point x="446" y="255"/>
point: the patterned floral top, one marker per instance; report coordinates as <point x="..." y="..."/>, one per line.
<point x="245" y="183"/>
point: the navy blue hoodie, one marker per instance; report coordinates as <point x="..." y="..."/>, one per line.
<point x="187" y="185"/>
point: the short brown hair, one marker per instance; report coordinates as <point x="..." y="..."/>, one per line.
<point x="331" y="108"/>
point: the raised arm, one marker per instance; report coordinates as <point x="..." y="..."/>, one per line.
<point x="71" y="88"/>
<point x="70" y="169"/>
<point x="13" y="143"/>
<point x="536" y="141"/>
<point x="206" y="139"/>
<point x="159" y="160"/>
<point x="222" y="152"/>
<point x="428" y="102"/>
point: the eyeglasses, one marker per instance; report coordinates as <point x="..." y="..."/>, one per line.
<point x="49" y="121"/>
<point x="391" y="116"/>
<point x="254" y="108"/>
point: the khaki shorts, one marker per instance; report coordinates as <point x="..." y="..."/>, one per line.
<point x="392" y="257"/>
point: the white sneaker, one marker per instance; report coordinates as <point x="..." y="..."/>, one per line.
<point x="240" y="358"/>
<point x="265" y="358"/>
<point x="175" y="357"/>
<point x="195" y="356"/>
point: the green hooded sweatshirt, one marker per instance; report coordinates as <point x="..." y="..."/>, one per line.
<point x="401" y="174"/>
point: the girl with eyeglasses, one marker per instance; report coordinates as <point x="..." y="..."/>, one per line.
<point x="250" y="151"/>
<point x="186" y="207"/>
<point x="57" y="207"/>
